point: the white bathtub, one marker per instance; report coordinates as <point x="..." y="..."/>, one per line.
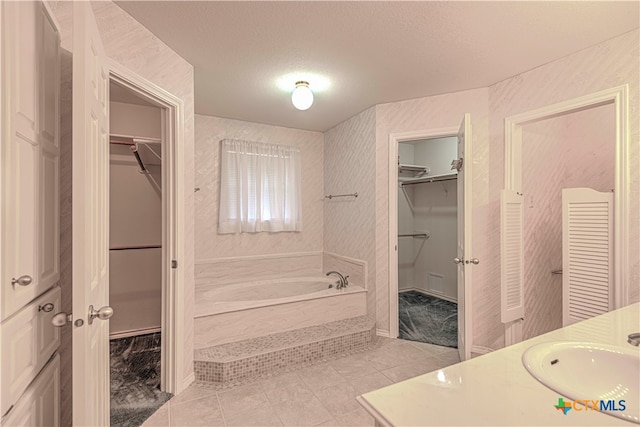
<point x="242" y="296"/>
<point x="233" y="312"/>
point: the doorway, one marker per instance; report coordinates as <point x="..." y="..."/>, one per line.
<point x="427" y="236"/>
<point x="445" y="171"/>
<point x="514" y="203"/>
<point x="135" y="256"/>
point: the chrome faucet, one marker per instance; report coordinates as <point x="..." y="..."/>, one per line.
<point x="343" y="282"/>
<point x="634" y="339"/>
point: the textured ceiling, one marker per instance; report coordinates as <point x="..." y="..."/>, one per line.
<point x="365" y="53"/>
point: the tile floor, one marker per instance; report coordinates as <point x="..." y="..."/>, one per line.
<point x="322" y="394"/>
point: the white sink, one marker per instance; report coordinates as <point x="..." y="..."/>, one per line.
<point x="587" y="371"/>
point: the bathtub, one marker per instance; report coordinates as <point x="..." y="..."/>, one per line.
<point x="238" y="311"/>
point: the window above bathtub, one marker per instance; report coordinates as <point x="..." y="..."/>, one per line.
<point x="260" y="188"/>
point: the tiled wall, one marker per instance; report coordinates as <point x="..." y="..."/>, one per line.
<point x="575" y="150"/>
<point x="209" y="245"/>
<point x="130" y="44"/>
<point x="350" y="224"/>
<point x="606" y="65"/>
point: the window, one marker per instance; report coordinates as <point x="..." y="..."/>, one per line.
<point x="259" y="188"/>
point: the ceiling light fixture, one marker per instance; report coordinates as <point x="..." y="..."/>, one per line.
<point x="302" y="97"/>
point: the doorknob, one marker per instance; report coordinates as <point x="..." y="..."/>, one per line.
<point x="25" y="280"/>
<point x="475" y="261"/>
<point x="458" y="260"/>
<point x="61" y="319"/>
<point x="103" y="313"/>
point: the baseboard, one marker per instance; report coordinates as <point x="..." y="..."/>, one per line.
<point x="478" y="349"/>
<point x="429" y="293"/>
<point x="383" y="333"/>
<point x="188" y="380"/>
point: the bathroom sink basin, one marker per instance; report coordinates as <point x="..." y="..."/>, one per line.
<point x="587" y="371"/>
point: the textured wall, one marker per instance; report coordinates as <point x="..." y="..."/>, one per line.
<point x="349" y="167"/>
<point x="208" y="243"/>
<point x="436" y="112"/>
<point x="574" y="150"/>
<point x="130" y="44"/>
<point x="606" y="65"/>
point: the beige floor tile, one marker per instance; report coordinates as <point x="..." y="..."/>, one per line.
<point x="198" y="412"/>
<point x="356" y="418"/>
<point x="410" y="370"/>
<point x="320" y="376"/>
<point x="353" y="366"/>
<point x="241" y="399"/>
<point x="450" y="356"/>
<point x="370" y="382"/>
<point x="330" y="423"/>
<point x="160" y="418"/>
<point x="338" y="399"/>
<point x="302" y="412"/>
<point x="288" y="386"/>
<point x="191" y="393"/>
<point x="260" y="416"/>
<point x="431" y="349"/>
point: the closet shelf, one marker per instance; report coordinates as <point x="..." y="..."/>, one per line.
<point x="428" y="179"/>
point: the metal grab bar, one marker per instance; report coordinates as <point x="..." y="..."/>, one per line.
<point x="415" y="235"/>
<point x="331" y="196"/>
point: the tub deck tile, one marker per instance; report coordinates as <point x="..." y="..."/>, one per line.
<point x="256" y="356"/>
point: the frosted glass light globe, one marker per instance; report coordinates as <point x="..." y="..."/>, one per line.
<point x="302" y="97"/>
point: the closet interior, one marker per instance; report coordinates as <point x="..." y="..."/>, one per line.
<point x="427" y="233"/>
<point x="135" y="255"/>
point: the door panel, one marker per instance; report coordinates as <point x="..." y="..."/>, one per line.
<point x="90" y="225"/>
<point x="464" y="239"/>
<point x="28" y="341"/>
<point x="40" y="404"/>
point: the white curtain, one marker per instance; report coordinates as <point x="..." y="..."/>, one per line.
<point x="259" y="188"/>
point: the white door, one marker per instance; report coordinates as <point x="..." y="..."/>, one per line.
<point x="464" y="260"/>
<point x="587" y="254"/>
<point x="90" y="221"/>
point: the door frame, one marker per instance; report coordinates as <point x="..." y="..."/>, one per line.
<point x="173" y="222"/>
<point x="618" y="97"/>
<point x="394" y="140"/>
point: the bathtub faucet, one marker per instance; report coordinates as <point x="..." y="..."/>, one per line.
<point x="343" y="282"/>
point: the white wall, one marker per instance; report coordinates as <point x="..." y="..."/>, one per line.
<point x="135" y="218"/>
<point x="351" y="224"/>
<point x="211" y="246"/>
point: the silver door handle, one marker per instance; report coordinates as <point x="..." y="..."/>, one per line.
<point x="103" y="313"/>
<point x="458" y="260"/>
<point x="475" y="261"/>
<point x="25" y="280"/>
<point x="61" y="319"/>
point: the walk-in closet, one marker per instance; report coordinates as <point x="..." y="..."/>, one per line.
<point x="427" y="233"/>
<point x="135" y="256"/>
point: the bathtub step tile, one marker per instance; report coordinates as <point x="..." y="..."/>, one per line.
<point x="254" y="357"/>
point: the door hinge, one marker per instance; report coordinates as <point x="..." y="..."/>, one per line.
<point x="174" y="263"/>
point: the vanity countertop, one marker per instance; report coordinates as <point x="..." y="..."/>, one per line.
<point x="496" y="389"/>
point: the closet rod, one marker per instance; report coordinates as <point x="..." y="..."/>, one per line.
<point x="125" y="248"/>
<point x="430" y="179"/>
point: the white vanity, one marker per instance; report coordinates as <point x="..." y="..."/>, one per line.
<point x="497" y="389"/>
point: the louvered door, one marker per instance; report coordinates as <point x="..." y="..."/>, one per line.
<point x="587" y="254"/>
<point x="511" y="248"/>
